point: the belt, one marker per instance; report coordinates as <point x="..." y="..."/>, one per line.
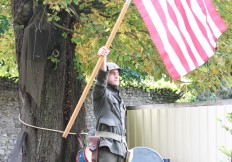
<point x="111" y="135"/>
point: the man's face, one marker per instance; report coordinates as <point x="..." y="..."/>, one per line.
<point x="113" y="78"/>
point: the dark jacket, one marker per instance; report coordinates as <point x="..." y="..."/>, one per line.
<point x="109" y="111"/>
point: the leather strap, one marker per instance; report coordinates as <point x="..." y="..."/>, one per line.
<point x="79" y="139"/>
<point x="111" y="135"/>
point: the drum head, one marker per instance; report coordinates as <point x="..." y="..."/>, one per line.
<point x="139" y="154"/>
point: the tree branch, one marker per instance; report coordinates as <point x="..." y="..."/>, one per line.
<point x="64" y="28"/>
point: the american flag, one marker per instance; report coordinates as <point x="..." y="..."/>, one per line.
<point x="185" y="32"/>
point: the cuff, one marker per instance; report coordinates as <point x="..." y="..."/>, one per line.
<point x="101" y="77"/>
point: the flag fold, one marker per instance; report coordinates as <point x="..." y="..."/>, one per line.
<point x="184" y="32"/>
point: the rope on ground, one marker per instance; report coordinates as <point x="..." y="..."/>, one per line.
<point x="47" y="129"/>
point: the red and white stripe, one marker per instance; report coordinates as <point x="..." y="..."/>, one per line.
<point x="185" y="32"/>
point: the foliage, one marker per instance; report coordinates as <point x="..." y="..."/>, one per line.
<point x="4" y="16"/>
<point x="190" y="97"/>
<point x="8" y="64"/>
<point x="132" y="47"/>
<point x="4" y="24"/>
<point x="58" y="5"/>
<point x="147" y="83"/>
<point x="54" y="58"/>
<point x="5" y="9"/>
<point x="161" y="91"/>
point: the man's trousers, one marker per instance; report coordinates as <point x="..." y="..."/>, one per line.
<point x="104" y="155"/>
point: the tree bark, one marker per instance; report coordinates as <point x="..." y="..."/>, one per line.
<point x="59" y="95"/>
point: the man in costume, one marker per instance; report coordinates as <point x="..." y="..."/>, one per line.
<point x="109" y="111"/>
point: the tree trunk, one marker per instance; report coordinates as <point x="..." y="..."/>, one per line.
<point x="59" y="94"/>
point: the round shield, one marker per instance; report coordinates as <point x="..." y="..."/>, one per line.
<point x="138" y="154"/>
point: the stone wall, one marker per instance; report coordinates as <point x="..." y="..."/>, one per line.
<point x="9" y="123"/>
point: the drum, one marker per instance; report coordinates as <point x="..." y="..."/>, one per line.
<point x="143" y="154"/>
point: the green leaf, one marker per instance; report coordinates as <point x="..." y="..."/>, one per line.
<point x="64" y="35"/>
<point x="75" y="1"/>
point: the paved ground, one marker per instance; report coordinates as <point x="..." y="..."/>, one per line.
<point x="9" y="124"/>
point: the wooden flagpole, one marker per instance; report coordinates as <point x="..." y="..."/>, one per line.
<point x="96" y="69"/>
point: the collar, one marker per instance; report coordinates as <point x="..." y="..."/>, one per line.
<point x="113" y="89"/>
